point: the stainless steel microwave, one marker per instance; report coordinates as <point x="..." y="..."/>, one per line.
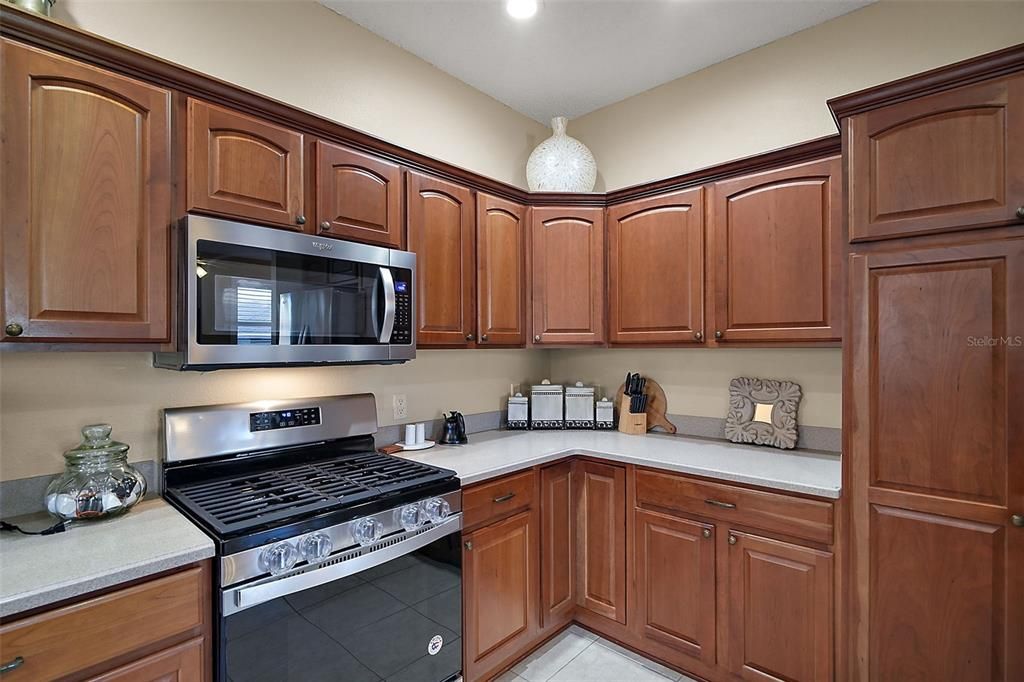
<point x="261" y="297"/>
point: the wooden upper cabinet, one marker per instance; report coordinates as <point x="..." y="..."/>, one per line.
<point x="244" y="167"/>
<point x="358" y="196"/>
<point x="568" y="275"/>
<point x="441" y="234"/>
<point x="500" y="581"/>
<point x="675" y="583"/>
<point x="601" y="539"/>
<point x="949" y="161"/>
<point x="501" y="271"/>
<point x="780" y="612"/>
<point x="937" y="462"/>
<point x="777" y="255"/>
<point x="558" y="545"/>
<point x="86" y="203"/>
<point x="656" y="269"/>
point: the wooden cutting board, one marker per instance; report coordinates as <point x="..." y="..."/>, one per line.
<point x="657" y="405"/>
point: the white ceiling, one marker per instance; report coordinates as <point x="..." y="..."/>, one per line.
<point x="575" y="56"/>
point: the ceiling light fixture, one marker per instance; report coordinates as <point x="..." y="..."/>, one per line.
<point x="521" y="9"/>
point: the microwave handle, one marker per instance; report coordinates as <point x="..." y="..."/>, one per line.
<point x="389" y="305"/>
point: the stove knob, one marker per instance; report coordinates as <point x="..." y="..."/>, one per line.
<point x="436" y="509"/>
<point x="409" y="517"/>
<point x="279" y="558"/>
<point x="316" y="547"/>
<point x="367" y="531"/>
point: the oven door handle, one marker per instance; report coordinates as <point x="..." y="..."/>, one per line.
<point x="240" y="598"/>
<point x="388" y="325"/>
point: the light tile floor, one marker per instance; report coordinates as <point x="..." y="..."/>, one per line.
<point x="577" y="655"/>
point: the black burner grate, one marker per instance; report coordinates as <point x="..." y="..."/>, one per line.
<point x="244" y="501"/>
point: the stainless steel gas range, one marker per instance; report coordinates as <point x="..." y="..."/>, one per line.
<point x="334" y="562"/>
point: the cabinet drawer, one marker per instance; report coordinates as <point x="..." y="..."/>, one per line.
<point x="794" y="516"/>
<point x="83" y="635"/>
<point x="494" y="499"/>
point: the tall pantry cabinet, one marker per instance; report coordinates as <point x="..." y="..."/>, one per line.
<point x="934" y="375"/>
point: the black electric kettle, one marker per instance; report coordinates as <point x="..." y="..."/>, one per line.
<point x="453" y="431"/>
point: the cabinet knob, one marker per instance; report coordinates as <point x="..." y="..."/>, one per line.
<point x="325" y="225"/>
<point x="468" y="545"/>
<point x="300" y="220"/>
<point x="1017" y="520"/>
<point x="718" y="334"/>
<point x="470" y="337"/>
<point x="732" y="539"/>
<point x="706" y="532"/>
<point x="14" y="329"/>
<point x="536" y="339"/>
<point x="1020" y="212"/>
<point x="483" y="337"/>
<point x="699" y="336"/>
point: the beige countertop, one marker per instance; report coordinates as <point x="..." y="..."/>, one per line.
<point x="495" y="453"/>
<point x="37" y="570"/>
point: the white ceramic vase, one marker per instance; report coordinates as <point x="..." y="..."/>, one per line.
<point x="561" y="163"/>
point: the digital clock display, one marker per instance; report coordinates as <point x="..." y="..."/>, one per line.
<point x="401" y="287"/>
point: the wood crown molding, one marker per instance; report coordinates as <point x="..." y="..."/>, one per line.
<point x="973" y="70"/>
<point x="57" y="37"/>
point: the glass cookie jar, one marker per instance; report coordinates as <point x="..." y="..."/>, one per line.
<point x="97" y="481"/>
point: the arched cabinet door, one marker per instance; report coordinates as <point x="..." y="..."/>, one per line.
<point x="776" y="255"/>
<point x="656" y="269"/>
<point x="500" y="271"/>
<point x="950" y="161"/>
<point x="358" y="196"/>
<point x="86" y="205"/>
<point x="441" y="234"/>
<point x="243" y="167"/>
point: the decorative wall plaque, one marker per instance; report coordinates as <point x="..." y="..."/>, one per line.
<point x="763" y="412"/>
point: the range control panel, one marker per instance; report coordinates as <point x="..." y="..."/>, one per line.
<point x="402" y="333"/>
<point x="283" y="419"/>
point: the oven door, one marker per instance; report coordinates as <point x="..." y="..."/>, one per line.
<point x="262" y="296"/>
<point x="393" y="613"/>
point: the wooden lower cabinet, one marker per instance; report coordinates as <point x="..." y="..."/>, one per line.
<point x="558" y="545"/>
<point x="155" y="630"/>
<point x="779" y="611"/>
<point x="601" y="539"/>
<point x="674" y="560"/>
<point x="500" y="576"/>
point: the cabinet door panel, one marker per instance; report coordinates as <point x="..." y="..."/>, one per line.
<point x="358" y="196"/>
<point x="86" y="205"/>
<point x="601" y="539"/>
<point x="501" y="271"/>
<point x="441" y="235"/>
<point x="675" y="583"/>
<point x="777" y="253"/>
<point x="243" y="167"/>
<point x="656" y="269"/>
<point x="780" y="618"/>
<point x="933" y="487"/>
<point x="182" y="663"/>
<point x="500" y="575"/>
<point x="950" y="161"/>
<point x="558" y="545"/>
<point x="568" y="275"/>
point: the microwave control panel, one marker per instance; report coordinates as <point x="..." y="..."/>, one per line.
<point x="283" y="419"/>
<point x="402" y="333"/>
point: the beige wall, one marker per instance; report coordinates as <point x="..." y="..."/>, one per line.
<point x="46" y="397"/>
<point x="306" y="55"/>
<point x="775" y="96"/>
<point x="696" y="380"/>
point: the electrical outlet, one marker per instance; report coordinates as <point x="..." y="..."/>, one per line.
<point x="401" y="406"/>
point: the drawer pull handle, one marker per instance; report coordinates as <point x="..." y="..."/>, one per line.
<point x="13" y="664"/>
<point x="504" y="498"/>
<point x="723" y="505"/>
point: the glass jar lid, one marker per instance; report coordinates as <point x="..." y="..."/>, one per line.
<point x="96" y="441"/>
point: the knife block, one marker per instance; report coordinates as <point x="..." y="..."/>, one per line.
<point x="656" y="409"/>
<point x="635" y="424"/>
